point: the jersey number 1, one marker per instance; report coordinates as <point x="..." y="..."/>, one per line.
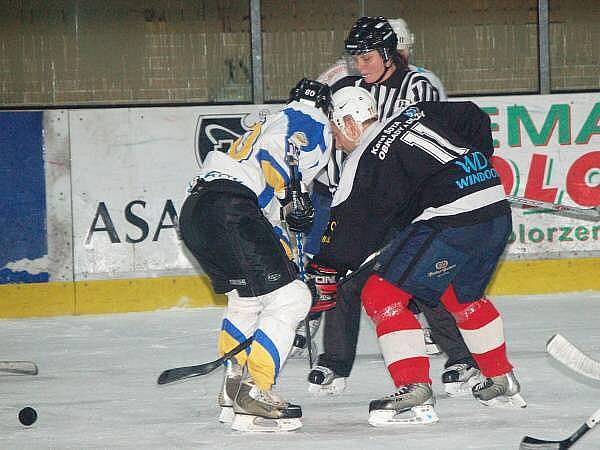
<point x="432" y="143"/>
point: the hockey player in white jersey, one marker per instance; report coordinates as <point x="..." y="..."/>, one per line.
<point x="231" y="222"/>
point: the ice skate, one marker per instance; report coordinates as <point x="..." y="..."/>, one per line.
<point x="300" y="349"/>
<point x="409" y="405"/>
<point x="231" y="384"/>
<point x="323" y="381"/>
<point x="500" y="392"/>
<point x="459" y="379"/>
<point x="263" y="411"/>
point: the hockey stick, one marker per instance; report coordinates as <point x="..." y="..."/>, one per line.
<point x="565" y="210"/>
<point x="531" y="443"/>
<point x="292" y="156"/>
<point x="563" y="351"/>
<point x="306" y="319"/>
<point x="180" y="373"/>
<point x="19" y="367"/>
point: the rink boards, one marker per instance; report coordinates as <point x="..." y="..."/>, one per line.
<point x="90" y="199"/>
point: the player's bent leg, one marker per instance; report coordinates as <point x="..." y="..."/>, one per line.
<point x="282" y="310"/>
<point x="239" y="323"/>
<point x="257" y="407"/>
<point x="481" y="326"/>
<point x="398" y="331"/>
<point x="401" y="340"/>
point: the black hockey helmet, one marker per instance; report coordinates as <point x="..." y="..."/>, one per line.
<point x="313" y="91"/>
<point x="372" y="33"/>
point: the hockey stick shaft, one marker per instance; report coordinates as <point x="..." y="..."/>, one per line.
<point x="306" y="319"/>
<point x="566" y="210"/>
<point x="291" y="159"/>
<point x="19" y="367"/>
<point x="531" y="443"/>
<point x="180" y="373"/>
<point x="568" y="354"/>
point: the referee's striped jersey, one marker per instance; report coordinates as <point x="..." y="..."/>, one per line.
<point x="403" y="88"/>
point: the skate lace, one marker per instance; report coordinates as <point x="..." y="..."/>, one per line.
<point x="269" y="397"/>
<point x="409" y="389"/>
<point x="490" y="386"/>
<point x="460" y="368"/>
<point x="327" y="372"/>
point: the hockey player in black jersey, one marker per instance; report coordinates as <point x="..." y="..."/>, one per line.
<point x="385" y="73"/>
<point x="430" y="164"/>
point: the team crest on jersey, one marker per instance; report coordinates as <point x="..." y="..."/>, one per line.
<point x="299" y="139"/>
<point x="219" y="132"/>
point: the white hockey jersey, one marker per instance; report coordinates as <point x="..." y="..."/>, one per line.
<point x="257" y="158"/>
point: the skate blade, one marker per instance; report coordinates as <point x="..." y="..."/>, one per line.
<point x="226" y="415"/>
<point x="336" y="387"/>
<point x="417" y="415"/>
<point x="257" y="424"/>
<point x="514" y="402"/>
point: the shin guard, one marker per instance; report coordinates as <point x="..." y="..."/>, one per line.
<point x="481" y="327"/>
<point x="398" y="331"/>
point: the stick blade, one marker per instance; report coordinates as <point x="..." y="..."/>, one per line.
<point x="19" y="367"/>
<point x="531" y="443"/>
<point x="182" y="373"/>
<point x="566" y="353"/>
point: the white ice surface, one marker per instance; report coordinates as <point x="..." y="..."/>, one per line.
<point x="97" y="386"/>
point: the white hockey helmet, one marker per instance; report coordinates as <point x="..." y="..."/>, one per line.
<point x="352" y="101"/>
<point x="406" y="39"/>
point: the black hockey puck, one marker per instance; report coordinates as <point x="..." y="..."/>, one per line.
<point x="27" y="416"/>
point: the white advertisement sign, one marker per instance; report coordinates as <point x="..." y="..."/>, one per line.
<point x="130" y="170"/>
<point x="548" y="149"/>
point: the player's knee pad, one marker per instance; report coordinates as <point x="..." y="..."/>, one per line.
<point x="382" y="299"/>
<point x="289" y="303"/>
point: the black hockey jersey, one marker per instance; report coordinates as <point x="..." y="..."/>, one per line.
<point x="429" y="163"/>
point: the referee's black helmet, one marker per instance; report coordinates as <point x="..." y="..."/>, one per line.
<point x="372" y="33"/>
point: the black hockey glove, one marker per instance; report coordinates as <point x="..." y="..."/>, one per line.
<point x="297" y="211"/>
<point x="322" y="282"/>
